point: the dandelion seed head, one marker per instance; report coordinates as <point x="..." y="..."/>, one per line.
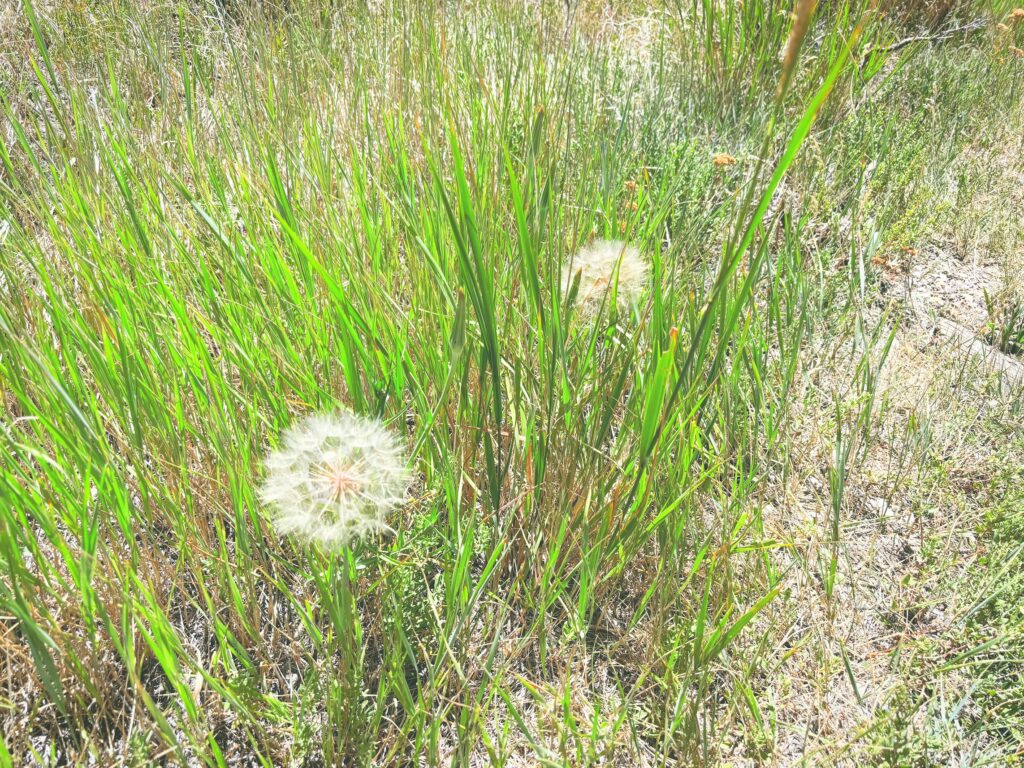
<point x="333" y="479"/>
<point x="602" y="265"/>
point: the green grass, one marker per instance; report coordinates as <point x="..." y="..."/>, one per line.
<point x="218" y="218"/>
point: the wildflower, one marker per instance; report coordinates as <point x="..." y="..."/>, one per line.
<point x="601" y="265"/>
<point x="722" y="159"/>
<point x="631" y="185"/>
<point x="334" y="479"/>
<point x="1017" y="51"/>
<point x="1017" y="14"/>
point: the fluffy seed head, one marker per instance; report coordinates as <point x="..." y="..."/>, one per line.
<point x="334" y="478"/>
<point x="603" y="264"/>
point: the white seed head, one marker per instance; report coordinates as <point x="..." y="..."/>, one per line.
<point x="334" y="478"/>
<point x="602" y="265"/>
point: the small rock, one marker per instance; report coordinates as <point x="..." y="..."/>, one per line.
<point x="879" y="507"/>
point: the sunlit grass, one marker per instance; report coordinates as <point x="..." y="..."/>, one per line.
<point x="219" y="220"/>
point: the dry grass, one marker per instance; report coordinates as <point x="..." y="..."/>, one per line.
<point x="747" y="518"/>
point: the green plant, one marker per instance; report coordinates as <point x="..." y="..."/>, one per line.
<point x="1005" y="327"/>
<point x="215" y="224"/>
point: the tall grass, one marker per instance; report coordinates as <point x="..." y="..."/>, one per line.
<point x="224" y="221"/>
